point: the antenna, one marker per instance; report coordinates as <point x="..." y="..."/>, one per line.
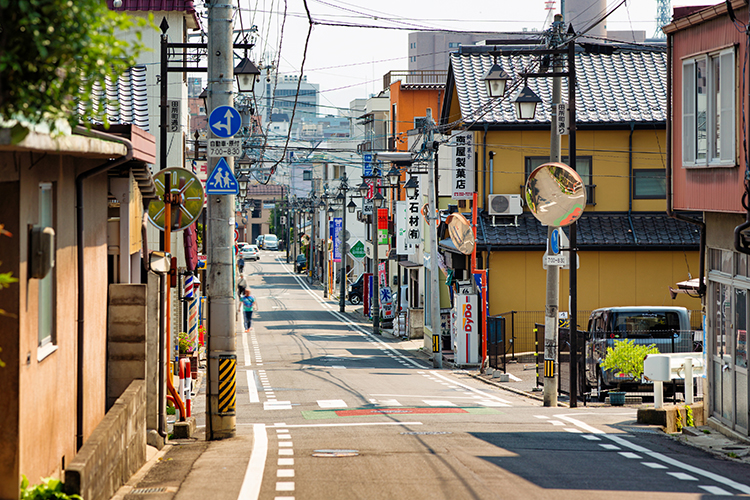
<point x="663" y="17"/>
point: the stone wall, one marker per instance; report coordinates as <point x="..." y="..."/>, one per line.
<point x="115" y="451"/>
<point x="126" y="337"/>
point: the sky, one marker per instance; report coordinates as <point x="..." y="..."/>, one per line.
<point x="349" y="62"/>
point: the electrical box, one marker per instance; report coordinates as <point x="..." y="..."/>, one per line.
<point x="42" y="251"/>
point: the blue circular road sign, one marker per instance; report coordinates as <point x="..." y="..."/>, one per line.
<point x="224" y="121"/>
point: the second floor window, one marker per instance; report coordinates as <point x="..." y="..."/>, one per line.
<point x="649" y="184"/>
<point x="708" y="109"/>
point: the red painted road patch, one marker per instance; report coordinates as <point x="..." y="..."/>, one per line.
<point x="396" y="411"/>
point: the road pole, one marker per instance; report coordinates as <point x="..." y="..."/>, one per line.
<point x="375" y="304"/>
<point x="222" y="354"/>
<point x="553" y="272"/>
<point x="342" y="233"/>
<point x="573" y="229"/>
<point x="437" y="348"/>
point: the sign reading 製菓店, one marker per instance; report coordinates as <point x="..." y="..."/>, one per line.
<point x="462" y="165"/>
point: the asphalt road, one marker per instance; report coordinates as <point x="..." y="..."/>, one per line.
<point x="334" y="412"/>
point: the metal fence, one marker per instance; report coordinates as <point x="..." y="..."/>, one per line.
<point x="519" y="336"/>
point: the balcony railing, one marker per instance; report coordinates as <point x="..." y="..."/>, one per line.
<point x="416" y="77"/>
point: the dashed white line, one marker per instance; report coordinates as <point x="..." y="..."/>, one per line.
<point x="715" y="490"/>
<point x="682" y="476"/>
<point x="630" y="454"/>
<point x="654" y="465"/>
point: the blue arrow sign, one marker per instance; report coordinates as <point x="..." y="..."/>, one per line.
<point x="222" y="180"/>
<point x="224" y="121"/>
<point x="554" y="242"/>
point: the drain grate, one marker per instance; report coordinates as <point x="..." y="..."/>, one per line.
<point x="146" y="491"/>
<point x="429" y="433"/>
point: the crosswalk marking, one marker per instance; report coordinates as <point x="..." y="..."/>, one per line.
<point x="435" y="402"/>
<point x="491" y="403"/>
<point x="715" y="490"/>
<point x="277" y="405"/>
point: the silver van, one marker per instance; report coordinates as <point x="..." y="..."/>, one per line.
<point x="666" y="327"/>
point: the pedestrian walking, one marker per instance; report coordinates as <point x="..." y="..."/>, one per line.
<point x="247" y="308"/>
<point x="241" y="285"/>
<point x="241" y="263"/>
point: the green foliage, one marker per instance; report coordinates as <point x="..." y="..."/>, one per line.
<point x="50" y="488"/>
<point x="689" y="416"/>
<point x="184" y="344"/>
<point x="627" y="358"/>
<point x="678" y="420"/>
<point x="53" y="52"/>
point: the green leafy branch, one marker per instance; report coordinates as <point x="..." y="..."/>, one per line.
<point x="50" y="489"/>
<point x="627" y="358"/>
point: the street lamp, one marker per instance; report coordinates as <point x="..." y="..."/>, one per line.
<point x="377" y="200"/>
<point x="525" y="103"/>
<point x="351" y="207"/>
<point x="495" y="80"/>
<point x="246" y="73"/>
<point x="394" y="175"/>
<point x="411" y="187"/>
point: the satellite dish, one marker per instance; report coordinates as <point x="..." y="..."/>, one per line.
<point x="190" y="196"/>
<point x="555" y="194"/>
<point x="461" y="233"/>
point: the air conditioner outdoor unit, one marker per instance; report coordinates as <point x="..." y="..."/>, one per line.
<point x="505" y="204"/>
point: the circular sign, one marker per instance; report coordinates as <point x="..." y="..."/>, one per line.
<point x="189" y="192"/>
<point x="555" y="194"/>
<point x="461" y="233"/>
<point x="554" y="242"/>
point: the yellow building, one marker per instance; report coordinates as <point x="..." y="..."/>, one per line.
<point x="630" y="250"/>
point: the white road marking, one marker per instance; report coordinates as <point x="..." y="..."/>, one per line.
<point x="541" y="416"/>
<point x="556" y="422"/>
<point x="630" y="454"/>
<point x="492" y="404"/>
<point x="654" y="465"/>
<point x="285" y="473"/>
<point x="513" y="377"/>
<point x="284" y="436"/>
<point x="285" y="486"/>
<point x="473" y="390"/>
<point x="357" y="424"/>
<point x="252" y="389"/>
<point x="338" y="367"/>
<point x="742" y="488"/>
<point x="284" y="451"/>
<point x="286" y="444"/>
<point x="386" y="402"/>
<point x="609" y="446"/>
<point x="715" y="490"/>
<point x="571" y="429"/>
<point x="332" y="403"/>
<point x="682" y="476"/>
<point x="435" y="402"/>
<point x="578" y="423"/>
<point x="277" y="405"/>
<point x="285" y="461"/>
<point x="590" y="437"/>
<point x="245" y="350"/>
<point x="254" y="474"/>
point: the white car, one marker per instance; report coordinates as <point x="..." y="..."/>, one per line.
<point x="250" y="252"/>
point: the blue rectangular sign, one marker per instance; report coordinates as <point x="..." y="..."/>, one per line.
<point x="367" y="164"/>
<point x="337" y="237"/>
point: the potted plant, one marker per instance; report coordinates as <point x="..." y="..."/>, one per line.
<point x="626" y="358"/>
<point x="187" y="350"/>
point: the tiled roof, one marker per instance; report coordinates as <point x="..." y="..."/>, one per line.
<point x="158" y="6"/>
<point x="596" y="231"/>
<point x="628" y="85"/>
<point x="126" y="99"/>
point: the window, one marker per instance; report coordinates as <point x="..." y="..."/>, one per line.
<point x="46" y="295"/>
<point x="453" y="45"/>
<point x="412" y="58"/>
<point x="413" y="45"/>
<point x="307" y="175"/>
<point x="708" y="109"/>
<point x="583" y="167"/>
<point x="649" y="184"/>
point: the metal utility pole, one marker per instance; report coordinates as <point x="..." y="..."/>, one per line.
<point x="375" y="305"/>
<point x="342" y="233"/>
<point x="437" y="349"/>
<point x="553" y="272"/>
<point x="222" y="353"/>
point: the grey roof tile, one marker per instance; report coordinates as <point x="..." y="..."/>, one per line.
<point x="628" y="85"/>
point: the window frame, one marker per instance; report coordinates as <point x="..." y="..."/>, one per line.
<point x="720" y="109"/>
<point x="636" y="196"/>
<point x="47" y="287"/>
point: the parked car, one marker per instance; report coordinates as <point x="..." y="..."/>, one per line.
<point x="251" y="252"/>
<point x="301" y="263"/>
<point x="270" y="242"/>
<point x="667" y="327"/>
<point x="356" y="290"/>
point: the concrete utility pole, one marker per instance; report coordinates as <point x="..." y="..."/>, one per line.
<point x="437" y="348"/>
<point x="342" y="278"/>
<point x="553" y="272"/>
<point x="222" y="353"/>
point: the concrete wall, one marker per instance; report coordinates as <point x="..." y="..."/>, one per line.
<point x="115" y="451"/>
<point x="126" y="338"/>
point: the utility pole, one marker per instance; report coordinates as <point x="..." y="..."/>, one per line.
<point x="437" y="349"/>
<point x="553" y="272"/>
<point x="222" y="353"/>
<point x="342" y="233"/>
<point x="375" y="305"/>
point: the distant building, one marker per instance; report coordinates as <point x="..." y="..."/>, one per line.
<point x="278" y="95"/>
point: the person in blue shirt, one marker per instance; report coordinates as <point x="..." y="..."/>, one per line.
<point x="247" y="308"/>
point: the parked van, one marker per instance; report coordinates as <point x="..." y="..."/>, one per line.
<point x="668" y="328"/>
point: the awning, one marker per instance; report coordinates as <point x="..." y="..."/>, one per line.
<point x="408" y="264"/>
<point x="689" y="286"/>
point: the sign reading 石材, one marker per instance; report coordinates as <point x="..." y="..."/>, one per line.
<point x="401" y="216"/>
<point x="413" y="221"/>
<point x="462" y="168"/>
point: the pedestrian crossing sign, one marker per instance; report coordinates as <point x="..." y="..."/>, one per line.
<point x="222" y="180"/>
